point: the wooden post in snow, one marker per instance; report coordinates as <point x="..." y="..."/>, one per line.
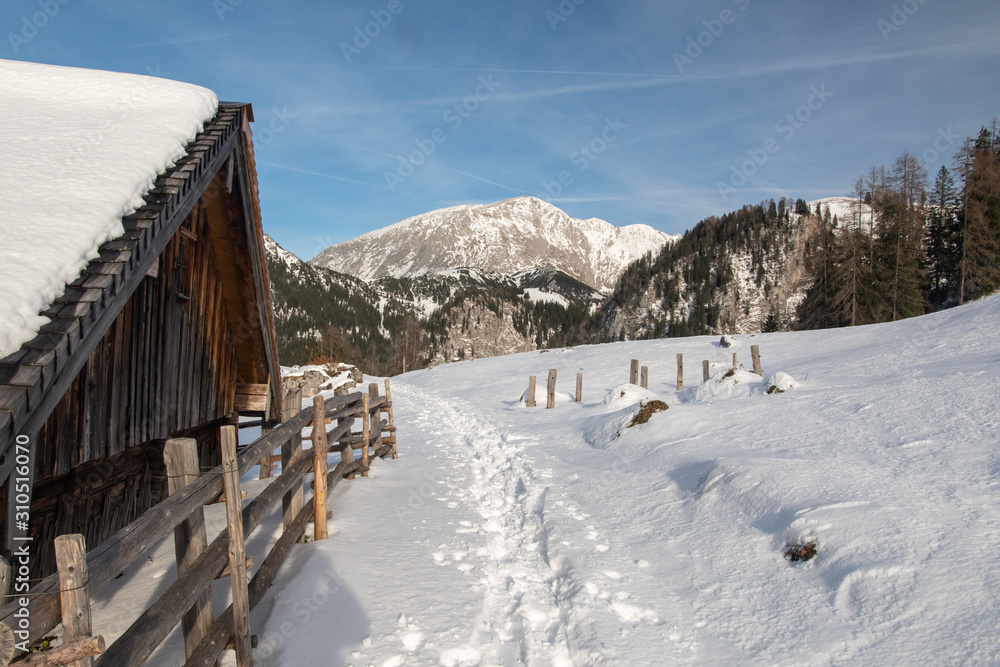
<point x="180" y="455"/>
<point x="755" y="354"/>
<point x="320" y="449"/>
<point x="291" y="503"/>
<point x="680" y="372"/>
<point x="377" y="426"/>
<point x="366" y="425"/>
<point x="392" y="421"/>
<point x="644" y="377"/>
<point x="237" y="549"/>
<point x="346" y="450"/>
<point x="704" y="371"/>
<point x="551" y="401"/>
<point x="531" y="392"/>
<point x="579" y="387"/>
<point x="633" y="372"/>
<point x="71" y="561"/>
<point x="734" y="360"/>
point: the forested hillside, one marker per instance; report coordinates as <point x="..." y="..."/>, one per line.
<point x="916" y="247"/>
<point x="741" y="272"/>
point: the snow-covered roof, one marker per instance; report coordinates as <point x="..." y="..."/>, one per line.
<point x="80" y="148"/>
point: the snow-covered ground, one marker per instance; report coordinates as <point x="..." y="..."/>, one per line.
<point x="507" y="535"/>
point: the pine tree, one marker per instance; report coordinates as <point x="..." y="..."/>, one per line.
<point x="979" y="167"/>
<point x="943" y="240"/>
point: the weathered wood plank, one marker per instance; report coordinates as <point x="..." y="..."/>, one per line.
<point x="71" y="557"/>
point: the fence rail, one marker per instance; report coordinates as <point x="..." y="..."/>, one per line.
<point x="333" y="426"/>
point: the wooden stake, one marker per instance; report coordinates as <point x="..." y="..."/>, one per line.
<point x="633" y="372"/>
<point x="392" y="421"/>
<point x="181" y="458"/>
<point x="237" y="549"/>
<point x="551" y="401"/>
<point x="377" y="426"/>
<point x="531" y="392"/>
<point x="680" y="372"/>
<point x="579" y="387"/>
<point x="71" y="560"/>
<point x="704" y="371"/>
<point x="291" y="450"/>
<point x="755" y="354"/>
<point x="644" y="377"/>
<point x="346" y="451"/>
<point x="320" y="449"/>
<point x="734" y="360"/>
<point x="366" y="426"/>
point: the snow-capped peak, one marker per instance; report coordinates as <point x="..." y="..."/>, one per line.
<point x="504" y="237"/>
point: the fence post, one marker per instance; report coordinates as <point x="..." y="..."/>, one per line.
<point x="644" y="377"/>
<point x="366" y="423"/>
<point x="237" y="549"/>
<point x="180" y="455"/>
<point x="704" y="371"/>
<point x="71" y="561"/>
<point x="392" y="421"/>
<point x="755" y="353"/>
<point x="633" y="372"/>
<point x="377" y="426"/>
<point x="346" y="450"/>
<point x="579" y="387"/>
<point x="291" y="449"/>
<point x="265" y="461"/>
<point x="680" y="372"/>
<point x="551" y="400"/>
<point x="531" y="392"/>
<point x="320" y="450"/>
<point x="734" y="360"/>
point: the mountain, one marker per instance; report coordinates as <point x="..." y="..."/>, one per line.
<point x="743" y="272"/>
<point x="505" y="238"/>
<point x="388" y="324"/>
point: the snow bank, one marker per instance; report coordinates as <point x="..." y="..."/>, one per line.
<point x="80" y="150"/>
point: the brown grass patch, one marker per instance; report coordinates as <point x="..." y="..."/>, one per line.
<point x="647" y="410"/>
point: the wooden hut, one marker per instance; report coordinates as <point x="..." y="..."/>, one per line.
<point x="168" y="333"/>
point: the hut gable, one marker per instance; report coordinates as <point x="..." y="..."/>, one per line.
<point x="165" y="332"/>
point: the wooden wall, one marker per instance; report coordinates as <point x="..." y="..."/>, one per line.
<point x="167" y="367"/>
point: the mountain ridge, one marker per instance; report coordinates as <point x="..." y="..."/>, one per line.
<point x="505" y="237"/>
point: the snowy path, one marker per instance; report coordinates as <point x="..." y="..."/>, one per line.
<point x="513" y="536"/>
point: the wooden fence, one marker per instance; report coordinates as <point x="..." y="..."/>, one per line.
<point x="638" y="375"/>
<point x="188" y="600"/>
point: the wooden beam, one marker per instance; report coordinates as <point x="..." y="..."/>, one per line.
<point x="71" y="558"/>
<point x="237" y="549"/>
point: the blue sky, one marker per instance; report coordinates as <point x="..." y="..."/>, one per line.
<point x="368" y="112"/>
